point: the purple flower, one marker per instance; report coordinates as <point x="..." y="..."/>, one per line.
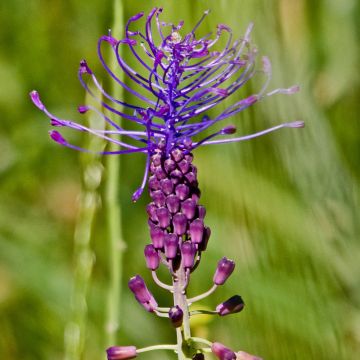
<point x="121" y="352"/>
<point x="183" y="76"/>
<point x="224" y="269"/>
<point x="222" y="352"/>
<point x="231" y="306"/>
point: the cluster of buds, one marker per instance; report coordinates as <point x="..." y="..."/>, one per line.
<point x="185" y="77"/>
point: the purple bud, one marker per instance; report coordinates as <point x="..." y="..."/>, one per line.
<point x="205" y="239"/>
<point x="56" y="136"/>
<point x="231" y="306"/>
<point x="82" y="109"/>
<point x="156" y="159"/>
<point x="184" y="166"/>
<point x="35" y="98"/>
<point x="188" y="208"/>
<point x="189" y="157"/>
<point x="169" y="165"/>
<point x="160" y="173"/>
<point x="201" y="212"/>
<point x="228" y="130"/>
<point x="171" y="245"/>
<point x="158" y="198"/>
<point x="121" y="352"/>
<point x="137" y="286"/>
<point x="223" y="271"/>
<point x="198" y="356"/>
<point x="182" y="191"/>
<point x="163" y="216"/>
<point x="152" y="257"/>
<point x="188" y="252"/>
<point x="180" y="223"/>
<point x="176" y="176"/>
<point x="167" y="186"/>
<point x="157" y="237"/>
<point x="296" y="124"/>
<point x="176" y="316"/>
<point x="191" y="178"/>
<point x="222" y="352"/>
<point x="151" y="211"/>
<point x="154" y="183"/>
<point x="196" y="231"/>
<point x="177" y="154"/>
<point x="173" y="203"/>
<point x="84" y="68"/>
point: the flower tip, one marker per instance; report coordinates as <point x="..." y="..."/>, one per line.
<point x="35" y="98"/>
<point x="57" y="137"/>
<point x="121" y="352"/>
<point x="228" y="130"/>
<point x="137" y="16"/>
<point x="136" y="195"/>
<point x="207" y="12"/>
<point x="296" y="124"/>
<point x="82" y="109"/>
<point x="84" y="68"/>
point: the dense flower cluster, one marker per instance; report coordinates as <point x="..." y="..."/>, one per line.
<point x="176" y="80"/>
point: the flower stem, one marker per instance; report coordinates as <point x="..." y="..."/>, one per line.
<point x="180" y="299"/>
<point x="114" y="231"/>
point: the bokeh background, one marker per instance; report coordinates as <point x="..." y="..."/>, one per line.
<point x="285" y="207"/>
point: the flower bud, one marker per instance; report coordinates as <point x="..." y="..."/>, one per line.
<point x="182" y="191"/>
<point x="158" y="198"/>
<point x="184" y="166"/>
<point x="167" y="186"/>
<point x="121" y="352"/>
<point x="171" y="246"/>
<point x="222" y="352"/>
<point x="176" y="316"/>
<point x="154" y="183"/>
<point x="196" y="230"/>
<point x="157" y="237"/>
<point x="188" y="208"/>
<point x="231" y="306"/>
<point x="180" y="223"/>
<point x="163" y="216"/>
<point x="151" y="211"/>
<point x="169" y="165"/>
<point x="138" y="287"/>
<point x="223" y="271"/>
<point x="152" y="257"/>
<point x="205" y="239"/>
<point x="188" y="252"/>
<point x="201" y="212"/>
<point x="173" y="203"/>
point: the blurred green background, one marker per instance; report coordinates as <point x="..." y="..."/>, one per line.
<point x="285" y="207"/>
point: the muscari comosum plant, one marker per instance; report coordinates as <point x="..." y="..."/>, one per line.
<point x="184" y="76"/>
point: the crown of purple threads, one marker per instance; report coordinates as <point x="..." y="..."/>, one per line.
<point x="184" y="76"/>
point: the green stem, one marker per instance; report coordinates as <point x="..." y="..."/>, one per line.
<point x="114" y="230"/>
<point x="179" y="285"/>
